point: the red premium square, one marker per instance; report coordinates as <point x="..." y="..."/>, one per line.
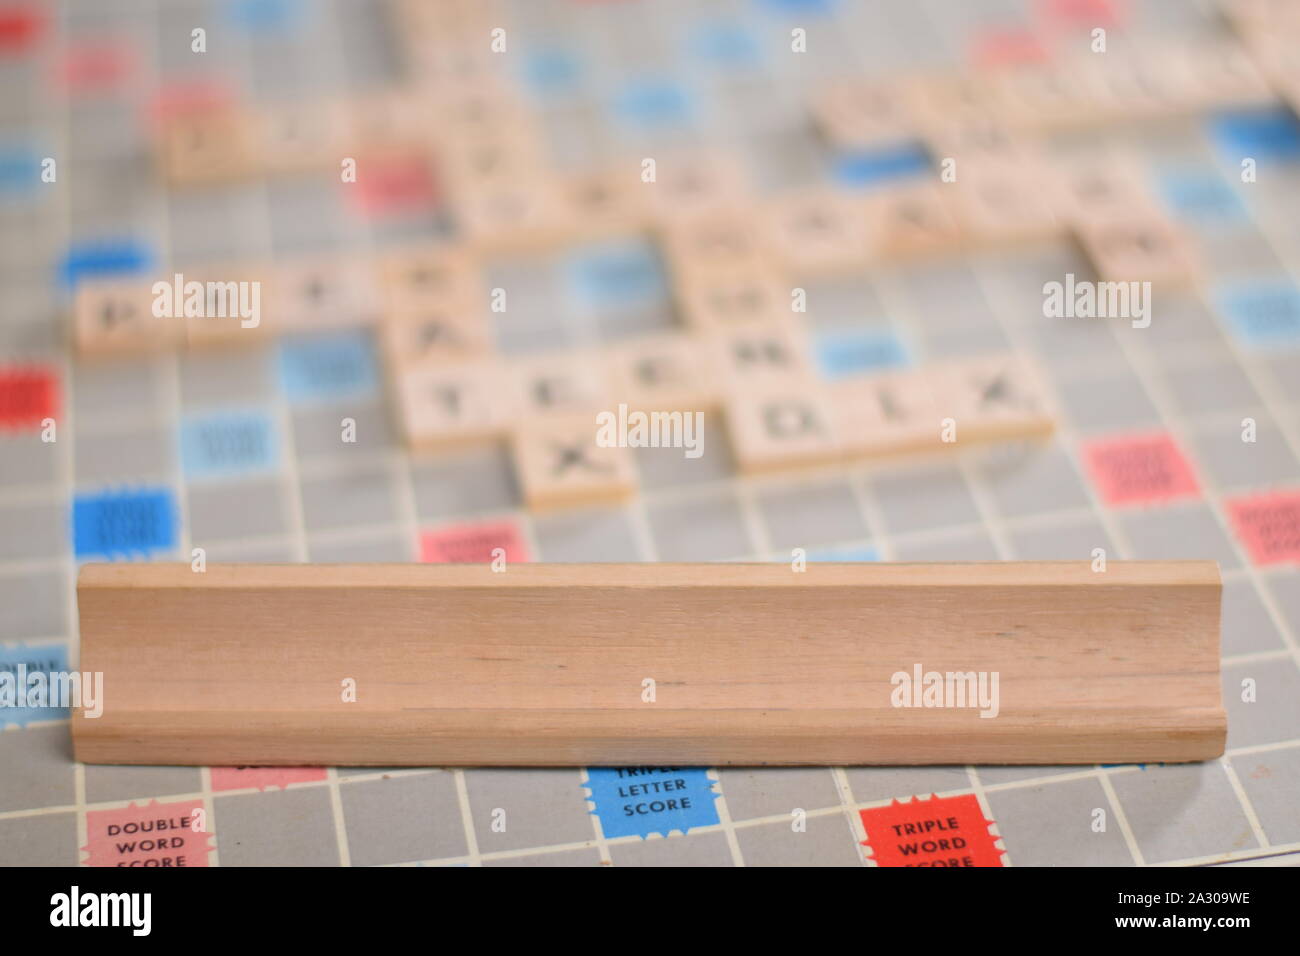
<point x="153" y="834"/>
<point x="28" y="396"/>
<point x="1139" y="469"/>
<point x="474" y="543"/>
<point x="940" y="831"/>
<point x="1267" y="525"/>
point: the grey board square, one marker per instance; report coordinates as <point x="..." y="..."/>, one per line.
<point x="142" y="455"/>
<point x="1178" y="319"/>
<point x="965" y="340"/>
<point x="464" y="482"/>
<point x="35" y="604"/>
<point x="206" y="224"/>
<point x="366" y="496"/>
<point x="1238" y="255"/>
<point x="973" y="545"/>
<point x="1271" y="780"/>
<point x="39" y="771"/>
<point x="842" y="301"/>
<point x="521" y="338"/>
<point x="1017" y="279"/>
<point x="27" y="460"/>
<point x="226" y="377"/>
<point x="921" y="499"/>
<point x="1069" y="541"/>
<point x="418" y="228"/>
<point x="1235" y="464"/>
<point x="1051" y="824"/>
<point x="46" y="840"/>
<point x="105" y="784"/>
<point x="532" y="288"/>
<point x="403" y="819"/>
<point x="1116" y="401"/>
<point x="1177" y="531"/>
<point x="1274" y="715"/>
<point x="29" y="328"/>
<point x="117" y="387"/>
<point x="811" y="515"/>
<point x="176" y="20"/>
<point x="318" y="430"/>
<point x="274" y="551"/>
<point x="277" y="828"/>
<point x="536" y="807"/>
<point x="753" y="792"/>
<point x="598" y="534"/>
<point x="704" y="528"/>
<point x="33" y="530"/>
<point x="305" y="214"/>
<point x="668" y="467"/>
<point x="1066" y="344"/>
<point x="384" y="547"/>
<point x="747" y="100"/>
<point x="371" y="60"/>
<point x="1285" y="588"/>
<point x="945" y="295"/>
<point x="691" y="849"/>
<point x="1209" y="389"/>
<point x="236" y="509"/>
<point x="1247" y="626"/>
<point x="825" y="841"/>
<point x="1182" y="811"/>
<point x="618" y="325"/>
<point x="781" y="161"/>
<point x="882" y="784"/>
<point x="1042" y="479"/>
<point x="1285" y="367"/>
<point x="278" y="68"/>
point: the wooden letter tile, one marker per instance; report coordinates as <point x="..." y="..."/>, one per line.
<point x="1052" y="96"/>
<point x="714" y="241"/>
<point x="450" y="405"/>
<point x="389" y="119"/>
<point x="206" y="146"/>
<point x="226" y="287"/>
<point x="1101" y="190"/>
<point x="1223" y="76"/>
<point x="1003" y="203"/>
<point x="688" y="184"/>
<point x="817" y="231"/>
<point x="1140" y="249"/>
<point x="432" y="275"/>
<point x="323" y="293"/>
<point x="778" y="427"/>
<point x="297" y="137"/>
<point x="608" y="202"/>
<point x="116" y="317"/>
<point x="562" y="384"/>
<point x="561" y="464"/>
<point x="992" y="398"/>
<point x="863" y="114"/>
<point x="762" y="354"/>
<point x="885" y="415"/>
<point x="712" y="300"/>
<point x="437" y="333"/>
<point x="914" y="221"/>
<point x="663" y="373"/>
<point x="519" y="214"/>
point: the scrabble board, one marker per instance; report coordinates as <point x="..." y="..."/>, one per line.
<point x="799" y="262"/>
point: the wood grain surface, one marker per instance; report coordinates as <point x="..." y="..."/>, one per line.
<point x="547" y="664"/>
